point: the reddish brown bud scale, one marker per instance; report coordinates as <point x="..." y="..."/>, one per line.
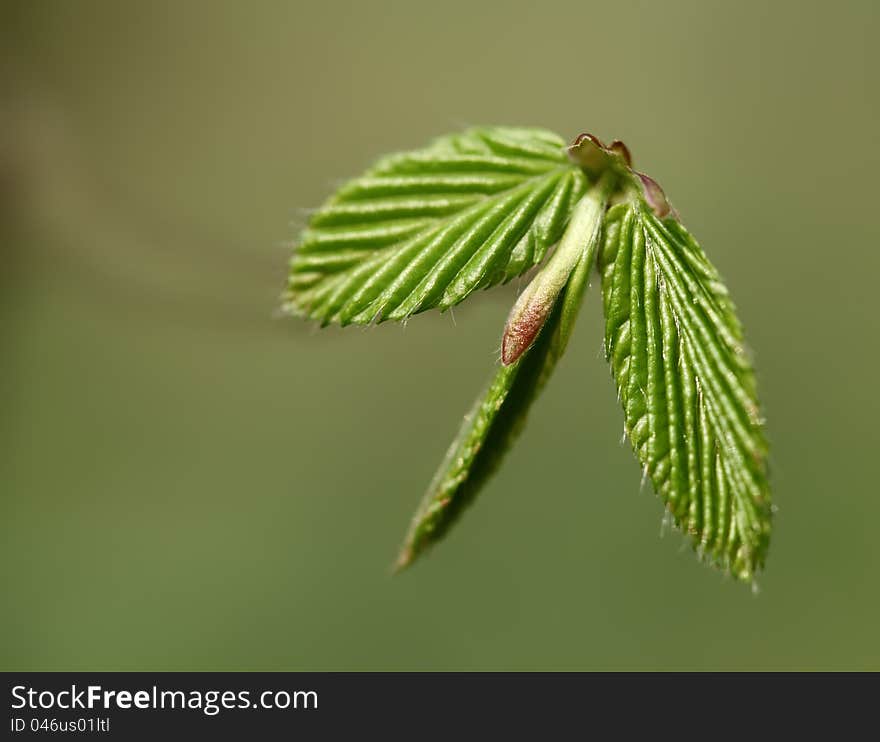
<point x="595" y="157"/>
<point x="590" y="153"/>
<point x="655" y="196"/>
<point x="622" y="150"/>
<point x="521" y="332"/>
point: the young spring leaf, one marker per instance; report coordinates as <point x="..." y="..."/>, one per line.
<point x="425" y="229"/>
<point x="497" y="417"/>
<point x="686" y="385"/>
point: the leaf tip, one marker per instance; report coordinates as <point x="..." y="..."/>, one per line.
<point x="521" y="330"/>
<point x="404" y="559"/>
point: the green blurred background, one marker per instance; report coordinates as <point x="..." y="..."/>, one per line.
<point x="190" y="482"/>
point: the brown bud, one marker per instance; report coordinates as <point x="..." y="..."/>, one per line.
<point x="525" y="322"/>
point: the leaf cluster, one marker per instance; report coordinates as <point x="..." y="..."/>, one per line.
<point x="425" y="229"/>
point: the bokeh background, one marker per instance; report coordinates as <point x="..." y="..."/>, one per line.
<point x="191" y="482"/>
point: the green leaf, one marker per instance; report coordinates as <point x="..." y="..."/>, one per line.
<point x="425" y="229"/>
<point x="686" y="385"/>
<point x="499" y="415"/>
